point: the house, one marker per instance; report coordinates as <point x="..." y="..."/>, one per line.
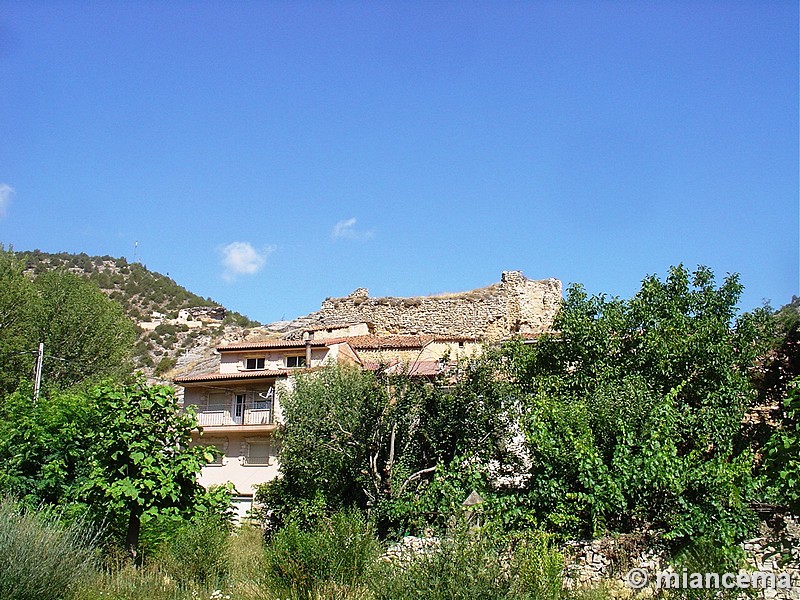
<point x="415" y="355"/>
<point x="238" y="406"/>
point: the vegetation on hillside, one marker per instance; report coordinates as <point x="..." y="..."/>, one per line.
<point x="141" y="293"/>
<point x="86" y="336"/>
<point x="628" y="419"/>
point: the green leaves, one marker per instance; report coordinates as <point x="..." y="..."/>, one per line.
<point x="782" y="463"/>
<point x="87" y="336"/>
<point x="635" y="407"/>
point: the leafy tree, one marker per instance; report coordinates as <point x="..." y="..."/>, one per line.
<point x="142" y="464"/>
<point x="782" y="463"/>
<point x="17" y="342"/>
<point x="44" y="446"/>
<point x="352" y="438"/>
<point x="87" y="335"/>
<point x="634" y="408"/>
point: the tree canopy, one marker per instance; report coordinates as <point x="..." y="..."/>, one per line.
<point x="627" y="417"/>
<point x="86" y="336"/>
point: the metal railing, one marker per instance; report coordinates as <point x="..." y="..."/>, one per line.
<point x="248" y="413"/>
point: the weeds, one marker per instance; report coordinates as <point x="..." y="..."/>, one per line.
<point x="40" y="556"/>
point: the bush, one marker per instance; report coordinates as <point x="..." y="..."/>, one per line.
<point x="40" y="556"/>
<point x="471" y="565"/>
<point x="197" y="552"/>
<point x="341" y="550"/>
<point x="166" y="364"/>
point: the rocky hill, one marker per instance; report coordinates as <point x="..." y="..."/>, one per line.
<point x="178" y="329"/>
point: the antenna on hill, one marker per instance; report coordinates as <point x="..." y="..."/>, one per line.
<point x="135" y="250"/>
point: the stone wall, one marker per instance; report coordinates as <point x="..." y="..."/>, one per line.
<point x="514" y="305"/>
<point x="607" y="561"/>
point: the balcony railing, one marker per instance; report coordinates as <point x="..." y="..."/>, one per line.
<point x="220" y="415"/>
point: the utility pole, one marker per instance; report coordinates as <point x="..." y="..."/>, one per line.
<point x="38" y="380"/>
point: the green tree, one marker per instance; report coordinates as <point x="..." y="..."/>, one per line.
<point x="17" y="339"/>
<point x="87" y="337"/>
<point x="44" y="446"/>
<point x="782" y="463"/>
<point x="142" y="464"/>
<point x="357" y="439"/>
<point x="634" y="408"/>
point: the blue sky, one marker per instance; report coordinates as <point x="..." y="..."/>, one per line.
<point x="270" y="154"/>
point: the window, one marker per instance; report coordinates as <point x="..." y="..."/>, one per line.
<point x="295" y="361"/>
<point x="258" y="453"/>
<point x="220" y="446"/>
<point x="254" y="364"/>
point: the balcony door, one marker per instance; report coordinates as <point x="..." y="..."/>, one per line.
<point x="237" y="410"/>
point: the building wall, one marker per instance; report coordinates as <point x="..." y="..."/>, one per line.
<point x="233" y="362"/>
<point x="234" y="466"/>
<point x="514" y="305"/>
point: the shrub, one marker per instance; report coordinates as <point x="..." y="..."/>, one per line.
<point x="471" y="565"/>
<point x="166" y="364"/>
<point x="197" y="552"/>
<point x="341" y="550"/>
<point x="40" y="556"/>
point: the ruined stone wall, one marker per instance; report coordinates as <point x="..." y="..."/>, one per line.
<point x="514" y="305"/>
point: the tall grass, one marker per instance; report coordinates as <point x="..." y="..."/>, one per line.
<point x="197" y="553"/>
<point x="467" y="565"/>
<point x="40" y="556"/>
<point x="340" y="553"/>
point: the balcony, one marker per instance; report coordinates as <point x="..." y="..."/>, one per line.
<point x="250" y="414"/>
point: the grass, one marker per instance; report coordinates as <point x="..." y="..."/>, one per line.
<point x="338" y="558"/>
<point x="40" y="555"/>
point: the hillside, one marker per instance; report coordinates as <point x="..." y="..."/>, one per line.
<point x="177" y="327"/>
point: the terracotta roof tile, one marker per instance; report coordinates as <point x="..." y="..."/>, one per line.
<point x="217" y="376"/>
<point x="387" y="342"/>
<point x="272" y="344"/>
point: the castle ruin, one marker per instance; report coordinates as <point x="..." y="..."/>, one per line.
<point x="515" y="305"/>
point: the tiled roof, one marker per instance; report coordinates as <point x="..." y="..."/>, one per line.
<point x="387" y="342"/>
<point x="271" y="345"/>
<point x="421" y="368"/>
<point x="217" y="376"/>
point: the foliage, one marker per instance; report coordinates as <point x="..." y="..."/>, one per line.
<point x="782" y="364"/>
<point x="142" y="463"/>
<point x="165" y="364"/>
<point x="704" y="555"/>
<point x="17" y="340"/>
<point x="44" y="446"/>
<point x="340" y="549"/>
<point x="88" y="335"/>
<point x="352" y="438"/>
<point x="782" y="463"/>
<point x="634" y="409"/>
<point x="196" y="552"/>
<point x="41" y="557"/>
<point x="469" y="564"/>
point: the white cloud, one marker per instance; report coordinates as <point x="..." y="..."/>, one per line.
<point x="346" y="229"/>
<point x="240" y="258"/>
<point x="6" y="191"/>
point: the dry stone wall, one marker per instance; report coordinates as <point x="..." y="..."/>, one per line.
<point x="514" y="305"/>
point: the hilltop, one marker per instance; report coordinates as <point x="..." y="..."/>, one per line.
<point x="177" y="327"/>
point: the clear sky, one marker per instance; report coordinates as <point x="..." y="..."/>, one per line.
<point x="270" y="154"/>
